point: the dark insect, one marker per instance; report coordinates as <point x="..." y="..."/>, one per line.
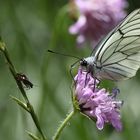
<point x="23" y="78"/>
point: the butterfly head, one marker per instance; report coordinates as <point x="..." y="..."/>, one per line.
<point x="83" y="63"/>
<point x="88" y="62"/>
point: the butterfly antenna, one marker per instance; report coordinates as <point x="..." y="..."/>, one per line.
<point x="50" y="51"/>
<point x="72" y="66"/>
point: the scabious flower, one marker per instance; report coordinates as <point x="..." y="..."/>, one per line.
<point x="97" y="103"/>
<point x="97" y="18"/>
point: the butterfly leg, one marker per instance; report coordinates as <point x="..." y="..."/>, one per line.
<point x="86" y="79"/>
<point x="96" y="82"/>
<point x="71" y="68"/>
<point x="90" y="70"/>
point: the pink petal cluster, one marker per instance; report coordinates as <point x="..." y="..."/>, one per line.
<point x="97" y="18"/>
<point x="96" y="103"/>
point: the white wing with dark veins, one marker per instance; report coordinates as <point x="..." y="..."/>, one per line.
<point x="118" y="56"/>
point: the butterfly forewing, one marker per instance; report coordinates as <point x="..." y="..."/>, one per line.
<point x="135" y="15"/>
<point x="118" y="56"/>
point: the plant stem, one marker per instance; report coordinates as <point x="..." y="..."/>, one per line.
<point x="64" y="123"/>
<point x="21" y="88"/>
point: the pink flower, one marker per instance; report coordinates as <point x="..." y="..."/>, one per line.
<point x="97" y="18"/>
<point x="97" y="103"/>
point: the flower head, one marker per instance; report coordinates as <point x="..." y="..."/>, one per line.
<point x="97" y="18"/>
<point x="97" y="103"/>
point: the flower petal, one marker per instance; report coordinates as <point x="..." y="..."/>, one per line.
<point x="98" y="103"/>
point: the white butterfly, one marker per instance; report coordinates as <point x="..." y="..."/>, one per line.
<point x="118" y="56"/>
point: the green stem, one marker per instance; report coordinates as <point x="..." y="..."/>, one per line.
<point x="13" y="72"/>
<point x="35" y="119"/>
<point x="63" y="125"/>
<point x="21" y="88"/>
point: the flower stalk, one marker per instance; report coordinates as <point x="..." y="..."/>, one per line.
<point x="29" y="107"/>
<point x="63" y="125"/>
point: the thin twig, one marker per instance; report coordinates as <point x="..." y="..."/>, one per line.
<point x="21" y="88"/>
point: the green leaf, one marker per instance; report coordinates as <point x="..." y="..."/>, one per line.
<point x="33" y="136"/>
<point x="109" y="85"/>
<point x="19" y="102"/>
<point x="2" y="45"/>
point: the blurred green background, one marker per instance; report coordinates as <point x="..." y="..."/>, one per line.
<point x="29" y="28"/>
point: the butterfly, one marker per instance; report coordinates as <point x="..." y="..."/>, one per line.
<point x="117" y="57"/>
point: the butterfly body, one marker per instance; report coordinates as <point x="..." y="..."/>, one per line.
<point x="91" y="65"/>
<point x="117" y="57"/>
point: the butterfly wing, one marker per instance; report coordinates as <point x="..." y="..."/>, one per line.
<point x="118" y="56"/>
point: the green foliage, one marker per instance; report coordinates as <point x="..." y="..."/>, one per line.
<point x="19" y="102"/>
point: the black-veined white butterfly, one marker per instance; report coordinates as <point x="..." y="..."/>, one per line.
<point x="117" y="57"/>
